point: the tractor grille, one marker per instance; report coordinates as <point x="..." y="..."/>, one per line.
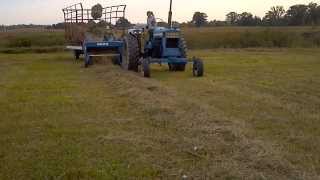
<point x="173" y="35"/>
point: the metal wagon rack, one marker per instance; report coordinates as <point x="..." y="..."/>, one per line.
<point x="77" y="14"/>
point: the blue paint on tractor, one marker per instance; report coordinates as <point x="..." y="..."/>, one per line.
<point x="164" y="46"/>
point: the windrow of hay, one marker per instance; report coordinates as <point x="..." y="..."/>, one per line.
<point x="190" y="130"/>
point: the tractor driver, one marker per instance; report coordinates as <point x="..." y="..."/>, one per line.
<point x="151" y="23"/>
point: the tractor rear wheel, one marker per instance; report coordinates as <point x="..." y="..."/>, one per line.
<point x="183" y="48"/>
<point x="130" y="56"/>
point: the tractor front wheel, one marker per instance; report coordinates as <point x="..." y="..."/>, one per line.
<point x="198" y="69"/>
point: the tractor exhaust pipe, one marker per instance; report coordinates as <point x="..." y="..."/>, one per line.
<point x="170" y="15"/>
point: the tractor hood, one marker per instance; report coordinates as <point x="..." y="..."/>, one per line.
<point x="161" y="31"/>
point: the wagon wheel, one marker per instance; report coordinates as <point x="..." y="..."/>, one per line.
<point x="76" y="55"/>
<point x="87" y="61"/>
<point x="145" y="68"/>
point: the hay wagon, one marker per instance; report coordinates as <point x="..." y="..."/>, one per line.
<point x="93" y="36"/>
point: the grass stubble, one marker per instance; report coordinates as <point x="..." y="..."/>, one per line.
<point x="247" y="118"/>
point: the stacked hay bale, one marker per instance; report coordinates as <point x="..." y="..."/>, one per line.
<point x="96" y="31"/>
<point x="96" y="11"/>
<point x="75" y="32"/>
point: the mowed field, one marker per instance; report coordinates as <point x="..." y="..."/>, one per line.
<point x="255" y="115"/>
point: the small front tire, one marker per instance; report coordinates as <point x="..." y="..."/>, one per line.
<point x="198" y="68"/>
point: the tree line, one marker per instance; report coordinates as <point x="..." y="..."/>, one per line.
<point x="296" y="15"/>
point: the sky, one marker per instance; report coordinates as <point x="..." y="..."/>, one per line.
<point x="50" y="11"/>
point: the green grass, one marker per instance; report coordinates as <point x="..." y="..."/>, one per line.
<point x="31" y="39"/>
<point x="243" y="37"/>
<point x="254" y="115"/>
<point x="197" y="38"/>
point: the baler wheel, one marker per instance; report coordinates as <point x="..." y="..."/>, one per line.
<point x="77" y="55"/>
<point x="145" y="68"/>
<point x="116" y="61"/>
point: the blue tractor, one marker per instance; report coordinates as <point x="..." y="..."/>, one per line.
<point x="162" y="45"/>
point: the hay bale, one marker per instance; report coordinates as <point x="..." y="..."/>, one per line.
<point x="94" y="31"/>
<point x="75" y="32"/>
<point x="96" y="11"/>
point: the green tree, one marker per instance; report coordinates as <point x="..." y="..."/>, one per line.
<point x="247" y="19"/>
<point x="313" y="14"/>
<point x="297" y="15"/>
<point x="232" y="18"/>
<point x="199" y="19"/>
<point x="275" y="16"/>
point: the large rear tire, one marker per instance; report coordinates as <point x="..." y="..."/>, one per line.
<point x="183" y="47"/>
<point x="131" y="53"/>
<point x="183" y="50"/>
